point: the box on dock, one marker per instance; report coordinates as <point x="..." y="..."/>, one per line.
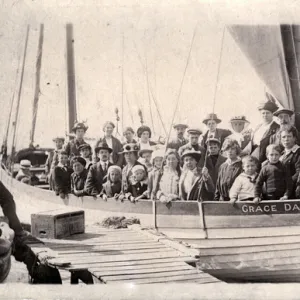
<point x="57" y="224"/>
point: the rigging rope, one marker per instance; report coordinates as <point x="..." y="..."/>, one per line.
<point x="149" y="99"/>
<point x="122" y="112"/>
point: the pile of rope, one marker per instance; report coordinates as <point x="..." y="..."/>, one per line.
<point x="118" y="222"/>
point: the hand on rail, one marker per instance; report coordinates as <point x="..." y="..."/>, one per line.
<point x="233" y="201"/>
<point x="256" y="200"/>
<point x="104" y="197"/>
<point x="284" y="198"/>
<point x="121" y="197"/>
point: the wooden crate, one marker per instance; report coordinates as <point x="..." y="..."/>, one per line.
<point x="57" y="224"/>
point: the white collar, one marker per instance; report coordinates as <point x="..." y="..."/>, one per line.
<point x="229" y="162"/>
<point x="294" y="149"/>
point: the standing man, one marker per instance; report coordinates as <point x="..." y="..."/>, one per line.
<point x="179" y="140"/>
<point x="72" y="147"/>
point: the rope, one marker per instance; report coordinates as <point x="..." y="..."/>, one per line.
<point x="122" y="112"/>
<point x="149" y="99"/>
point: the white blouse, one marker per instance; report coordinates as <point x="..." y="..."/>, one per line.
<point x="169" y="183"/>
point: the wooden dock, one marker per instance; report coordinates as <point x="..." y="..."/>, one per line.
<point x="131" y="255"/>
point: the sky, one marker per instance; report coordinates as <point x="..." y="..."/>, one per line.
<point x="156" y="34"/>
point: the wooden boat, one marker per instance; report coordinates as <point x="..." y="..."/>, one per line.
<point x="242" y="243"/>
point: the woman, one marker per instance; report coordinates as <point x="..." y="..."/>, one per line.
<point x="112" y="143"/>
<point x="211" y="122"/>
<point x="262" y="135"/>
<point x="128" y="134"/>
<point x="144" y="135"/>
<point x="166" y="187"/>
<point x="291" y="155"/>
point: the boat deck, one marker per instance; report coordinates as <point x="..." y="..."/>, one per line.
<point x="122" y="256"/>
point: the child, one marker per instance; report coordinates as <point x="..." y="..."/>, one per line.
<point x="194" y="181"/>
<point x="244" y="185"/>
<point x="62" y="176"/>
<point x="79" y="176"/>
<point x="86" y="153"/>
<point x="112" y="187"/>
<point x="229" y="170"/>
<point x="157" y="162"/>
<point x="138" y="186"/>
<point x="275" y="176"/>
<point x="166" y="187"/>
<point x="145" y="158"/>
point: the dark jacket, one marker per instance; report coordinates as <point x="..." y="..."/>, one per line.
<point x="260" y="151"/>
<point x="62" y="180"/>
<point x="213" y="170"/>
<point x="78" y="183"/>
<point x="126" y="177"/>
<point x="117" y="148"/>
<point x="176" y="143"/>
<point x="95" y="179"/>
<point x="110" y="189"/>
<point x="220" y="134"/>
<point x="137" y="189"/>
<point x="72" y="147"/>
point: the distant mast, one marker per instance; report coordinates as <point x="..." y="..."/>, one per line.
<point x="71" y="77"/>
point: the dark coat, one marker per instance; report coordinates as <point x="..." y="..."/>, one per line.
<point x="110" y="189"/>
<point x="116" y="147"/>
<point x="95" y="179"/>
<point x="260" y="151"/>
<point x="126" y="177"/>
<point x="214" y="170"/>
<point x="8" y="206"/>
<point x="220" y="134"/>
<point x="62" y="180"/>
<point x="78" y="183"/>
<point x="176" y="143"/>
<point x="137" y="189"/>
<point x="72" y="147"/>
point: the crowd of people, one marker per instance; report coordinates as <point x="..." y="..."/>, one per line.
<point x="219" y="164"/>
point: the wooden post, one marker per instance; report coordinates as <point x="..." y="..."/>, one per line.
<point x="154" y="213"/>
<point x="37" y="84"/>
<point x="72" y="109"/>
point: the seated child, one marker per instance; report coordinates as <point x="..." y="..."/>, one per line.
<point x="62" y="176"/>
<point x="138" y="185"/>
<point x="157" y="162"/>
<point x="86" y="153"/>
<point x="229" y="170"/>
<point x="244" y="185"/>
<point x="79" y="176"/>
<point x="145" y="158"/>
<point x="275" y="176"/>
<point x="112" y="187"/>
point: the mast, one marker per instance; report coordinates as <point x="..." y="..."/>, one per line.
<point x="37" y="84"/>
<point x="71" y="76"/>
<point x="19" y="95"/>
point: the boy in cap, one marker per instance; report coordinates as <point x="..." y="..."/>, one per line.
<point x="193" y="144"/>
<point x="62" y="176"/>
<point x="194" y="182"/>
<point x="179" y="140"/>
<point x="98" y="171"/>
<point x="79" y="176"/>
<point x="72" y="147"/>
<point x="86" y="153"/>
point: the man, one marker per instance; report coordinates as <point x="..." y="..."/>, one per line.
<point x="261" y="137"/>
<point x="97" y="172"/>
<point x="193" y="144"/>
<point x="72" y="147"/>
<point x="52" y="159"/>
<point x="179" y="140"/>
<point x="24" y="174"/>
<point x="285" y="121"/>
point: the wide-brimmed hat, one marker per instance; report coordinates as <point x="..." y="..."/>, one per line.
<point x="212" y="117"/>
<point x="25" y="164"/>
<point x="79" y="125"/>
<point x="85" y="146"/>
<point x="58" y="138"/>
<point x="213" y="140"/>
<point x="103" y="146"/>
<point x="269" y="104"/>
<point x="283" y="111"/>
<point x="195" y="154"/>
<point x="78" y="159"/>
<point x="194" y="131"/>
<point x="240" y="118"/>
<point x="131" y="147"/>
<point x="142" y="129"/>
<point x="180" y="125"/>
<point x="141" y="152"/>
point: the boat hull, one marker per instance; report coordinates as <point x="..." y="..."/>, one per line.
<point x="243" y="243"/>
